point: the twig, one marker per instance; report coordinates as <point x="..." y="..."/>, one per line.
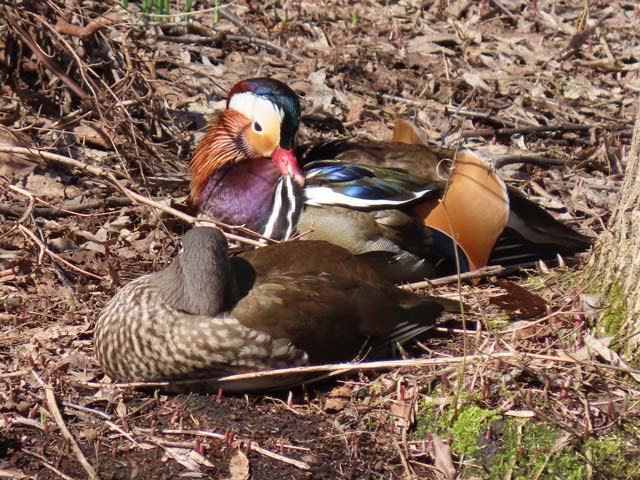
<point x="407" y="468"/>
<point x="502" y="160"/>
<point x="254" y="446"/>
<point x="457" y="110"/>
<point x="48" y="62"/>
<point x="233" y="18"/>
<point x="29" y="208"/>
<point x="504" y="10"/>
<point x="46" y="463"/>
<point x="118" y="429"/>
<point x="27" y="422"/>
<point x="253" y="37"/>
<point x="80" y="408"/>
<point x="133" y="196"/>
<point x="594" y="186"/>
<point x="265" y="43"/>
<point x="192" y="13"/>
<point x="561" y="128"/>
<point x="55" y="256"/>
<point x="73" y="208"/>
<point x="340" y="368"/>
<point x="479" y="273"/>
<point x="98" y="23"/>
<point x="334" y="369"/>
<point x="5" y="279"/>
<point x="18" y="373"/>
<point x="55" y="412"/>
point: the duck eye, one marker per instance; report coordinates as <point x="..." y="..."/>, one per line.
<point x="257" y="127"/>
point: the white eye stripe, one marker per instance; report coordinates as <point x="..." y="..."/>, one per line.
<point x="252" y="106"/>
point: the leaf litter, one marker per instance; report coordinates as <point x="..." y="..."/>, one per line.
<point x="554" y="81"/>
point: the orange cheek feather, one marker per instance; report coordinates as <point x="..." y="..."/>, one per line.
<point x="264" y="144"/>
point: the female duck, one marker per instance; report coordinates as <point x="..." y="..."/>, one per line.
<point x="206" y="315"/>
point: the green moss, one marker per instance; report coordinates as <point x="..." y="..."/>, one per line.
<point x="534" y="282"/>
<point x="498" y="321"/>
<point x="567" y="278"/>
<point x="496" y="447"/>
<point x="471" y="422"/>
<point x="615" y="313"/>
<point x="611" y="456"/>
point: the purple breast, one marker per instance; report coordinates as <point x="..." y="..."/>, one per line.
<point x="241" y="194"/>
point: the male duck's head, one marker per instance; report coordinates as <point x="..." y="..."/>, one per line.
<point x="261" y="120"/>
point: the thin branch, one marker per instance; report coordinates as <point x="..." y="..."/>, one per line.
<point x="436" y="282"/>
<point x="48" y="465"/>
<point x="502" y="160"/>
<point x="254" y="446"/>
<point x="265" y="43"/>
<point x="334" y="369"/>
<point x="48" y="62"/>
<point x="71" y="208"/>
<point x="43" y="248"/>
<point x="111" y="179"/>
<point x="55" y="412"/>
<point x="94" y="25"/>
<point x="342" y="368"/>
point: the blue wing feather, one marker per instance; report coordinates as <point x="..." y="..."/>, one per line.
<point x="339" y="182"/>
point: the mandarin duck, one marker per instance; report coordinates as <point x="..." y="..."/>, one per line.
<point x="207" y="315"/>
<point x="395" y="202"/>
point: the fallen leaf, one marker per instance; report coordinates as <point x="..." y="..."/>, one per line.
<point x="11" y="472"/>
<point x="337" y="399"/>
<point x="239" y="466"/>
<point x="602" y="348"/>
<point x="518" y="300"/>
<point x="442" y="458"/>
<point x="355" y="111"/>
<point x="93" y="134"/>
<point x="189" y="459"/>
<point x="403" y="409"/>
<point x="474" y="80"/>
<point x="13" y="165"/>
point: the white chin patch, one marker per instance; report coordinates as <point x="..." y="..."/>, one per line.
<point x="254" y="107"/>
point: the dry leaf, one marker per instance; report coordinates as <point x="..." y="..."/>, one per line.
<point x="7" y="471"/>
<point x="46" y="186"/>
<point x="121" y="409"/>
<point x="355" y="111"/>
<point x="13" y="165"/>
<point x="239" y="467"/>
<point x="518" y="300"/>
<point x="188" y="458"/>
<point x="403" y="409"/>
<point x="601" y="347"/>
<point x="474" y="80"/>
<point x="337" y="399"/>
<point x="93" y="134"/>
<point x="442" y="458"/>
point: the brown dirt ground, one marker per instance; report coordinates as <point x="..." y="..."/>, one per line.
<point x="557" y="79"/>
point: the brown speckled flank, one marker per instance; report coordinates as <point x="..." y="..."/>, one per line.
<point x="289" y="304"/>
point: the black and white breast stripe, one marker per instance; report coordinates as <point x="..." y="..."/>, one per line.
<point x="286" y="207"/>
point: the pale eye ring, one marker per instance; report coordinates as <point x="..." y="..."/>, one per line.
<point x="257" y="127"/>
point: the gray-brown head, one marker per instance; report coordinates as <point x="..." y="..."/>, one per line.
<point x="171" y="324"/>
<point x="198" y="279"/>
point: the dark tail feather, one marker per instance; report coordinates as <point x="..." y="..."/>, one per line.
<point x="421" y="314"/>
<point x="532" y="234"/>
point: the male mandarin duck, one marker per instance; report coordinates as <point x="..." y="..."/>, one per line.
<point x="381" y="199"/>
<point x="207" y="315"/>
